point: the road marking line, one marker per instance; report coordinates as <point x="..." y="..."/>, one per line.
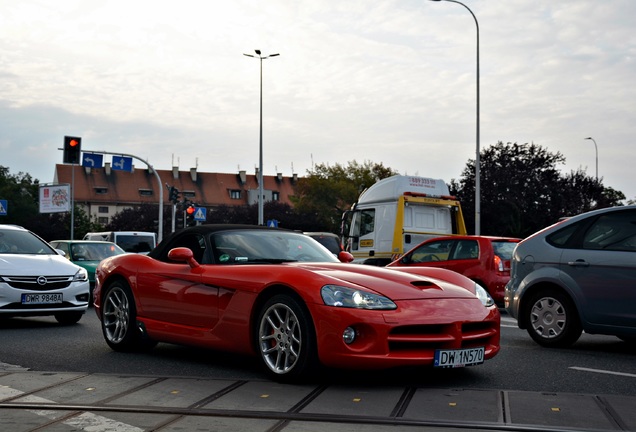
<point x="603" y="371"/>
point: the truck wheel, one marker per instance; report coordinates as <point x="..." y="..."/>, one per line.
<point x="552" y="319"/>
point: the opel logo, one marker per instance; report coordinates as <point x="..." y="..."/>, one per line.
<point x="41" y="280"/>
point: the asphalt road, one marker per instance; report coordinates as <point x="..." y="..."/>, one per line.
<point x="594" y="365"/>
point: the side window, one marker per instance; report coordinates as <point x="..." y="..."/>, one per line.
<point x="613" y="231"/>
<point x="561" y="237"/>
<point x="433" y="251"/>
<point x="466" y="249"/>
<point x="362" y="223"/>
<point x="194" y="242"/>
<point x="367" y="218"/>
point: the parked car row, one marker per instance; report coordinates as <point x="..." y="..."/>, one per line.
<point x="295" y="304"/>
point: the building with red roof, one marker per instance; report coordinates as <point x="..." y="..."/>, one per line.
<point x="103" y="192"/>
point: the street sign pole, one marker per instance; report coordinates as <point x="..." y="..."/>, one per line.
<point x="160" y="227"/>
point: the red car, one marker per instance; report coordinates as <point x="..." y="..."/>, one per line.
<point x="281" y="296"/>
<point x="484" y="259"/>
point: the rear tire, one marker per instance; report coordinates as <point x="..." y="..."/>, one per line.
<point x="286" y="340"/>
<point x="552" y="319"/>
<point x="119" y="318"/>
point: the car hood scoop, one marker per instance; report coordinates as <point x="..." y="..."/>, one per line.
<point x="425" y="284"/>
<point x="396" y="285"/>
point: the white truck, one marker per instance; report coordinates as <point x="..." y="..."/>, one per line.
<point x="397" y="213"/>
<point x="140" y="242"/>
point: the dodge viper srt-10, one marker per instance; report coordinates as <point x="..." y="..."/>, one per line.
<point x="282" y="296"/>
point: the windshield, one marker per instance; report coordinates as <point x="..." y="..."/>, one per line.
<point x="245" y="246"/>
<point x="23" y="242"/>
<point x="94" y="251"/>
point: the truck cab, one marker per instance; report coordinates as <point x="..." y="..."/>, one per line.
<point x="396" y="214"/>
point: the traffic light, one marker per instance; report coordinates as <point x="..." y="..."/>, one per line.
<point x="174" y="194"/>
<point x="72" y="149"/>
<point x="190" y="209"/>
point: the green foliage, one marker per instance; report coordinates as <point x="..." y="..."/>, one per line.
<point x="21" y="193"/>
<point x="522" y="190"/>
<point x="287" y="217"/>
<point x="328" y="191"/>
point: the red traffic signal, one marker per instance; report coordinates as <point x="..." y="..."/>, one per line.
<point x="190" y="210"/>
<point x="72" y="149"/>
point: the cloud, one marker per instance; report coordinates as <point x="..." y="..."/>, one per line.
<point x="390" y="82"/>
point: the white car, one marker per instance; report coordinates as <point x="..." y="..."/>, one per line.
<point x="35" y="280"/>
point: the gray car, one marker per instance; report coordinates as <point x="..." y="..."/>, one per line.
<point x="577" y="275"/>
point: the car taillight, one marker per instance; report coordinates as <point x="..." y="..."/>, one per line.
<point x="499" y="265"/>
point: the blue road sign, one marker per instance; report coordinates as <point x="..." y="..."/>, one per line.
<point x="3" y="207"/>
<point x="200" y="214"/>
<point x="272" y="223"/>
<point x="92" y="160"/>
<point x="122" y="163"/>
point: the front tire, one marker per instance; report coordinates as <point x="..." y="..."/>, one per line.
<point x="552" y="319"/>
<point x="286" y="338"/>
<point x="68" y="318"/>
<point x="119" y="317"/>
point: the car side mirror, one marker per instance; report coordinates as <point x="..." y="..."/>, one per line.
<point x="183" y="254"/>
<point x="345" y="257"/>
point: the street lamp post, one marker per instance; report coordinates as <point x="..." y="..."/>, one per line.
<point x="596" y="149"/>
<point x="260" y="143"/>
<point x="477" y="155"/>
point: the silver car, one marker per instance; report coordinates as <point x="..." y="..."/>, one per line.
<point x="579" y="274"/>
<point x="35" y="280"/>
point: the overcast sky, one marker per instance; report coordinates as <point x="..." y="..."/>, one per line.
<point x="390" y="81"/>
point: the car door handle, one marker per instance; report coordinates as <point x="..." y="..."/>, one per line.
<point x="579" y="263"/>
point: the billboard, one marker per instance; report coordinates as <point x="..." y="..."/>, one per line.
<point x="55" y="199"/>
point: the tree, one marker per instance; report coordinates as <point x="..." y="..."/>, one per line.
<point x="522" y="190"/>
<point x="141" y="218"/>
<point x="328" y="191"/>
<point x="21" y="193"/>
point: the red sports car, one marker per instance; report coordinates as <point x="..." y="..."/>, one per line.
<point x="284" y="297"/>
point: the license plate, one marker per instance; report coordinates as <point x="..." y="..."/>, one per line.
<point x="459" y="358"/>
<point x="45" y="298"/>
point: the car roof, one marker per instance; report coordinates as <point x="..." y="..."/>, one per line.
<point x="81" y="241"/>
<point x="13" y="227"/>
<point x="472" y="237"/>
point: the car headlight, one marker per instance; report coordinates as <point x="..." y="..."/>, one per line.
<point x="339" y="296"/>
<point x="81" y="275"/>
<point x="483" y="296"/>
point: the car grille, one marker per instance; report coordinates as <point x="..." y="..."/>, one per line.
<point x="38" y="283"/>
<point x="419" y="338"/>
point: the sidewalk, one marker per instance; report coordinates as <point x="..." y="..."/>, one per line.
<point x="53" y="401"/>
